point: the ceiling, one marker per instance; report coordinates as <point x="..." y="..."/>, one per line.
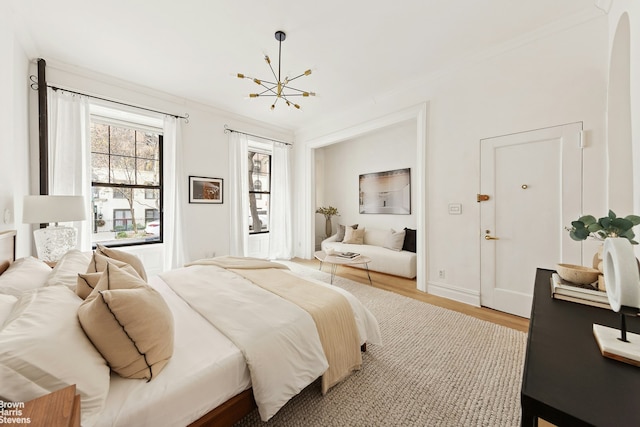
<point x="358" y="50"/>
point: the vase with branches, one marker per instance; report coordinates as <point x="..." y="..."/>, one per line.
<point x="328" y="213"/>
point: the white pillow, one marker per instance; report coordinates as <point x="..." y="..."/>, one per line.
<point x="394" y="240"/>
<point x="43" y="349"/>
<point x="6" y="305"/>
<point x="24" y="274"/>
<point x="66" y="270"/>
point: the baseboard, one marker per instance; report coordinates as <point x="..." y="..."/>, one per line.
<point x="455" y="293"/>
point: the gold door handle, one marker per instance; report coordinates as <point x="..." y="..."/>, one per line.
<point x="487" y="237"/>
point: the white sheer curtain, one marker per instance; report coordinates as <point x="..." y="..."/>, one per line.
<point x="69" y="155"/>
<point x="174" y="193"/>
<point x="280" y="220"/>
<point x="239" y="194"/>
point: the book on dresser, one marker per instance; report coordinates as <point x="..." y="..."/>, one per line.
<point x="583" y="294"/>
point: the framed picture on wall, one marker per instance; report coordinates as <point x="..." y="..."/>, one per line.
<point x="386" y="192"/>
<point x="205" y="190"/>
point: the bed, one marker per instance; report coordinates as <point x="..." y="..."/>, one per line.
<point x="210" y="377"/>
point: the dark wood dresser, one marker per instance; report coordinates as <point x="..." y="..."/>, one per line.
<point x="566" y="380"/>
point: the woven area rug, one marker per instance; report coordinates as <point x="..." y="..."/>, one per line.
<point x="436" y="367"/>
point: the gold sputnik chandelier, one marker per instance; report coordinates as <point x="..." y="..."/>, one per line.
<point x="280" y="89"/>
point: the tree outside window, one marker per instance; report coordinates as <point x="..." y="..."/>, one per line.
<point x="126" y="174"/>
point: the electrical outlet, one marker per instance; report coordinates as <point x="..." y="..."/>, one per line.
<point x="440" y="274"/>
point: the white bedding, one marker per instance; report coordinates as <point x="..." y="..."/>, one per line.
<point x="206" y="370"/>
<point x="279" y="340"/>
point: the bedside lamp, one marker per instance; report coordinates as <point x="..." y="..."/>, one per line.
<point x="53" y="242"/>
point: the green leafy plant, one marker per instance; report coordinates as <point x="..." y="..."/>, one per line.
<point x="328" y="212"/>
<point x="607" y="226"/>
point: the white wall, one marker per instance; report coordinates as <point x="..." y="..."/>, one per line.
<point x="205" y="151"/>
<point x="14" y="154"/>
<point x="553" y="78"/>
<point x="556" y="76"/>
<point x="632" y="8"/>
<point x="393" y="147"/>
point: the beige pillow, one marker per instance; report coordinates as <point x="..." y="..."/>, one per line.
<point x="86" y="283"/>
<point x="342" y="230"/>
<point x="123" y="256"/>
<point x="129" y="323"/>
<point x="99" y="263"/>
<point x="394" y="240"/>
<point x="354" y="236"/>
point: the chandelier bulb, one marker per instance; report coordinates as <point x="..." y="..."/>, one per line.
<point x="258" y="82"/>
<point x="273" y="107"/>
<point x="253" y="95"/>
<point x="306" y="73"/>
<point x="240" y="76"/>
<point x="267" y="60"/>
<point x="297" y="106"/>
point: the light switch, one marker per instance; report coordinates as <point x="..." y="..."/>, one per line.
<point x="455" y="208"/>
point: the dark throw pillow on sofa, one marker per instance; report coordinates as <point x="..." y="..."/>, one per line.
<point x="341" y="231"/>
<point x="409" y="240"/>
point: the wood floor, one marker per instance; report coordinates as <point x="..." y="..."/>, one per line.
<point x="407" y="288"/>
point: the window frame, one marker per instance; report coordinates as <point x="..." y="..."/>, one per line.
<point x="259" y="193"/>
<point x="99" y="119"/>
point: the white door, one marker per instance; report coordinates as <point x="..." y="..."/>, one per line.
<point x="534" y="181"/>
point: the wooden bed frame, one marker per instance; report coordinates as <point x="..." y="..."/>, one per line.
<point x="7" y="246"/>
<point x="229" y="413"/>
<point x="225" y="415"/>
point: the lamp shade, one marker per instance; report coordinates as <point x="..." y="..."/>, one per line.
<point x="47" y="209"/>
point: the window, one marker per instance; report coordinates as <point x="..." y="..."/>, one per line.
<point x="122" y="220"/>
<point x="151" y="215"/>
<point x="126" y="170"/>
<point x="259" y="191"/>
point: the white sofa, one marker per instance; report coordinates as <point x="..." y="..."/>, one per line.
<point x="398" y="263"/>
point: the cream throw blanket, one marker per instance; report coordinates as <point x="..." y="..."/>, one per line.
<point x="330" y="311"/>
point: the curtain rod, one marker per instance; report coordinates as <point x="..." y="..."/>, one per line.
<point x="227" y="129"/>
<point x="185" y="117"/>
